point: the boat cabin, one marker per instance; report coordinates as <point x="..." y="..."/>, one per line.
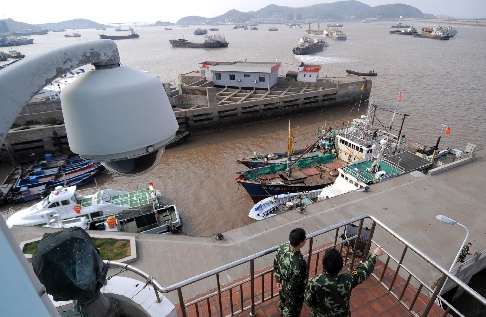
<point x="241" y="74"/>
<point x="350" y="149"/>
<point x="308" y="73"/>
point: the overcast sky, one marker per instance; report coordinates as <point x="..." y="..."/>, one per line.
<point x="108" y="11"/>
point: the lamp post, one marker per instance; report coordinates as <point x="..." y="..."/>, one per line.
<point x="452" y="222"/>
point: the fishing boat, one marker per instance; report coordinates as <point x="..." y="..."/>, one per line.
<point x="353" y="72"/>
<point x="308" y="45"/>
<point x="273" y="29"/>
<point x="437" y="32"/>
<point x="140" y="211"/>
<point x="200" y="31"/>
<point x="132" y="35"/>
<point x="213" y="29"/>
<point x="324" y="142"/>
<point x="303" y="174"/>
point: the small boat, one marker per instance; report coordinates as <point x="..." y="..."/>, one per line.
<point x="140" y="211"/>
<point x="42" y="179"/>
<point x="200" y="31"/>
<point x="72" y="35"/>
<point x="353" y="72"/>
<point x="401" y="25"/>
<point x="8" y="184"/>
<point x="274" y="205"/>
<point x="132" y="35"/>
<point x="409" y="31"/>
<point x="168" y="29"/>
<point x="213" y="29"/>
<point x="272" y="29"/>
<point x="254" y="28"/>
<point x="181" y="137"/>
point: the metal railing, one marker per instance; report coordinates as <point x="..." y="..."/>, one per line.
<point x="258" y="286"/>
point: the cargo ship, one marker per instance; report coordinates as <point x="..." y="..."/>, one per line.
<point x="211" y="41"/>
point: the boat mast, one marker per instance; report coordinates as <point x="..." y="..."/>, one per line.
<point x="290" y="145"/>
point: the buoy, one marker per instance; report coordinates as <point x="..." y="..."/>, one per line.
<point x="111" y="222"/>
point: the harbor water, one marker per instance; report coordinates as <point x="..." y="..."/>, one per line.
<point x="442" y="82"/>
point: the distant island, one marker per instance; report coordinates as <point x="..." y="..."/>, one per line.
<point x="8" y="26"/>
<point x="335" y="11"/>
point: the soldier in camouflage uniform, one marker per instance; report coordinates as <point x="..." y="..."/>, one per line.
<point x="291" y="272"/>
<point x="328" y="294"/>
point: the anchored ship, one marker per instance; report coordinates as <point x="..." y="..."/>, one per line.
<point x="437" y="32"/>
<point x="14" y="41"/>
<point x="200" y="31"/>
<point x="132" y="35"/>
<point x="72" y="35"/>
<point x="308" y="45"/>
<point x="211" y="41"/>
<point x="404" y="31"/>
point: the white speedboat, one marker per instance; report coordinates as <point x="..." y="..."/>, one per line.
<point x="65" y="207"/>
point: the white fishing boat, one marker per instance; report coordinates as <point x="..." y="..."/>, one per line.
<point x="65" y="208"/>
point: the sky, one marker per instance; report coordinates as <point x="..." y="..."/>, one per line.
<point x="111" y="11"/>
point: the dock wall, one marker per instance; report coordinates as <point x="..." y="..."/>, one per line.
<point x="39" y="127"/>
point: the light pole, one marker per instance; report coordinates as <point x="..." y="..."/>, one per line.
<point x="450" y="221"/>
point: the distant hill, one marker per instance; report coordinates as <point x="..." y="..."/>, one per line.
<point x="11" y="26"/>
<point x="341" y="11"/>
<point x="72" y="24"/>
<point x="163" y="23"/>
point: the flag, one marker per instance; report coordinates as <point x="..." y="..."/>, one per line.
<point x="447" y="131"/>
<point x="400" y="96"/>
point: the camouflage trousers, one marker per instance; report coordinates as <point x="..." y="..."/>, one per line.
<point x="290" y="306"/>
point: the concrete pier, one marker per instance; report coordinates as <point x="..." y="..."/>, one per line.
<point x="39" y="127"/>
<point x="407" y="204"/>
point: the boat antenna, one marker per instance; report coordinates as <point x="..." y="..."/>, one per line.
<point x="399" y="99"/>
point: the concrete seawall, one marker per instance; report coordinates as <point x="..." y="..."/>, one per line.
<point x="39" y="127"/>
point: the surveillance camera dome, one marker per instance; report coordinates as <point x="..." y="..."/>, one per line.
<point x="119" y="116"/>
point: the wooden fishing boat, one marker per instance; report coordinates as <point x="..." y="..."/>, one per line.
<point x="305" y="175"/>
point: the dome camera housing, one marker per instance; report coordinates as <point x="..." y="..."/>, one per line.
<point x="119" y="116"/>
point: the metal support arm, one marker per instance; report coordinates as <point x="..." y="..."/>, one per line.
<point x="21" y="81"/>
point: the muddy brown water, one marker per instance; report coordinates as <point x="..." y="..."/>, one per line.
<point x="443" y="82"/>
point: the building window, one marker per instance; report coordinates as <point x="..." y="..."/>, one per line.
<point x="232" y="76"/>
<point x="217" y="76"/>
<point x="246" y="75"/>
<point x="261" y="79"/>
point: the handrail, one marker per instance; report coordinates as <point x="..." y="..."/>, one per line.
<point x="250" y="259"/>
